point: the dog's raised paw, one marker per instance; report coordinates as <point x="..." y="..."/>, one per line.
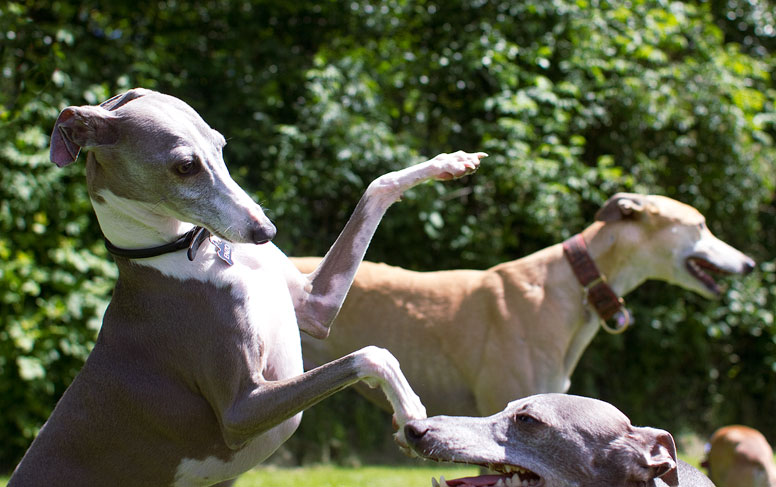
<point x="456" y="165"/>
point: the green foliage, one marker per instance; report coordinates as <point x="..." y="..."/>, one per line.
<point x="54" y="277"/>
<point x="573" y="100"/>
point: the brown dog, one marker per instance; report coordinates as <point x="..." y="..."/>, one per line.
<point x="471" y="341"/>
<point x="740" y="456"/>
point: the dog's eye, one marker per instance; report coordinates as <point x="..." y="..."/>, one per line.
<point x="187" y="167"/>
<point x="526" y="418"/>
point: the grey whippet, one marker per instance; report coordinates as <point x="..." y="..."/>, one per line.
<point x="196" y="375"/>
<point x="554" y="440"/>
<point x="470" y="341"/>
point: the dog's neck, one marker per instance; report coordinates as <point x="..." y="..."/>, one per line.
<point x="613" y="255"/>
<point x="131" y="224"/>
<point x="128" y="223"/>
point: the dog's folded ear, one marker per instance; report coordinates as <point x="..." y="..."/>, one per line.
<point x="620" y="206"/>
<point x="77" y="127"/>
<point x="659" y="460"/>
<point x="122" y="99"/>
<point x="87" y="126"/>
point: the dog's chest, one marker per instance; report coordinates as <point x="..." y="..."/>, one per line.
<point x="258" y="285"/>
<point x="254" y="296"/>
<point x="259" y="321"/>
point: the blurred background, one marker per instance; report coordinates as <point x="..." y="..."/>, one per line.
<point x="574" y="100"/>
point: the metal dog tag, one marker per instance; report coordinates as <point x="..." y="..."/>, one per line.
<point x="223" y="250"/>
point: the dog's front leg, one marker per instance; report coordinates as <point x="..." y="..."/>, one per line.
<point x="319" y="302"/>
<point x="267" y="404"/>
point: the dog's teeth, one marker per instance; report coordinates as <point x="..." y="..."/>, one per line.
<point x="442" y="481"/>
<point x="434" y="482"/>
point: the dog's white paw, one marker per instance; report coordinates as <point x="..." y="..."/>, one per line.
<point x="410" y="408"/>
<point x="378" y="367"/>
<point x="458" y="164"/>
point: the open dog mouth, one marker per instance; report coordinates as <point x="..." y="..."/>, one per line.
<point x="508" y="476"/>
<point x="699" y="268"/>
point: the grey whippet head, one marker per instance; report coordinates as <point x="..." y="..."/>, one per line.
<point x="151" y="154"/>
<point x="550" y="440"/>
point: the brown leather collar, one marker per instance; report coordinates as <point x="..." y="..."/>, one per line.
<point x="597" y="292"/>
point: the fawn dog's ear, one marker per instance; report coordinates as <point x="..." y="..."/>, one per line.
<point x="620" y="206"/>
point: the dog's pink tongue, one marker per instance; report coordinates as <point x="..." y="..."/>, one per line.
<point x="481" y="481"/>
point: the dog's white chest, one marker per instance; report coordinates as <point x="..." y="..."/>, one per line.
<point x="258" y="280"/>
<point x="271" y="313"/>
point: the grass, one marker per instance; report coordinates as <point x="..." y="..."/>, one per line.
<point x="332" y="476"/>
<point x="371" y="476"/>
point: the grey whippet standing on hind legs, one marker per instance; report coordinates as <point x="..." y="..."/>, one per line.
<point x="197" y="375"/>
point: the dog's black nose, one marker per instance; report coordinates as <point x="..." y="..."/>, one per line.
<point x="263" y="233"/>
<point x="748" y="266"/>
<point x="414" y="432"/>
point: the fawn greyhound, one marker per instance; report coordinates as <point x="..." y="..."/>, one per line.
<point x="740" y="456"/>
<point x="554" y="440"/>
<point x="197" y="375"/>
<point x="471" y="341"/>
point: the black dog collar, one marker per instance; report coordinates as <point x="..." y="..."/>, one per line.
<point x="192" y="240"/>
